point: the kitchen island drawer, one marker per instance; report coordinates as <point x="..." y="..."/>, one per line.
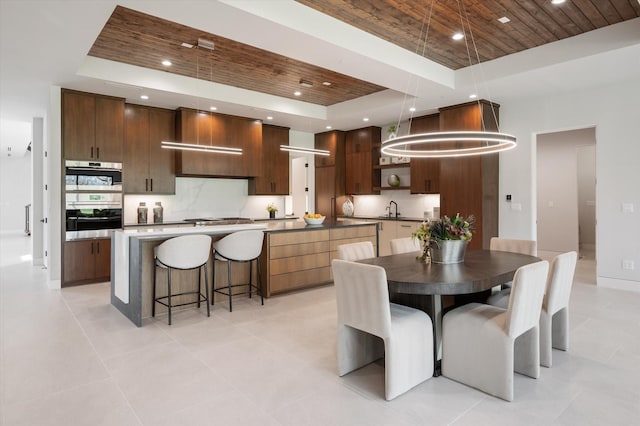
<point x="297" y="280"/>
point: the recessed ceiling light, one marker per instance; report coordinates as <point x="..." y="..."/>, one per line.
<point x="504" y="20"/>
<point x="473" y="96"/>
<point x="457" y="36"/>
<point x="145" y="97"/>
<point x="365" y="119"/>
<point x="412" y="109"/>
<point x="306" y="83"/>
<point x="187" y="45"/>
<point x="328" y="83"/>
<point x="213" y="108"/>
<point x="296" y="93"/>
<point x="557" y="1"/>
<point x="269" y="117"/>
<point x="166" y="63"/>
<point x="328" y="127"/>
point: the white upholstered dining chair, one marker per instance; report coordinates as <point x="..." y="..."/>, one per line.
<point x="554" y="318"/>
<point x="482" y="345"/>
<point x="404" y="245"/>
<point x="369" y="326"/>
<point x="356" y="251"/>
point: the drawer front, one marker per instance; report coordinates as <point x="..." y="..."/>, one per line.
<point x="353" y="232"/>
<point x="278" y="252"/>
<point x="284" y="238"/>
<point x="298" y="263"/>
<point x="301" y="279"/>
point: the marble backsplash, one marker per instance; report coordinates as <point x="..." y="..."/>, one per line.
<point x="201" y="198"/>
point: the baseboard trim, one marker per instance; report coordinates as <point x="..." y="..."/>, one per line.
<point x="618" y="284"/>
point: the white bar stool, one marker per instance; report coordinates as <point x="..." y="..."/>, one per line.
<point x="183" y="253"/>
<point x="241" y="246"/>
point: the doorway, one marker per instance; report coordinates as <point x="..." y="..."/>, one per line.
<point x="566" y="191"/>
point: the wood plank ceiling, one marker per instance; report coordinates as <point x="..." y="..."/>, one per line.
<point x="533" y="23"/>
<point x="143" y="40"/>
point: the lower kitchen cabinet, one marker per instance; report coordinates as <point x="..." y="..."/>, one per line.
<point x="294" y="260"/>
<point x="86" y="261"/>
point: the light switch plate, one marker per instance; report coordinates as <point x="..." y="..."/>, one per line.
<point x="627" y="207"/>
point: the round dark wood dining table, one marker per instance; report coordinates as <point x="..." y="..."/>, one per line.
<point x="421" y="285"/>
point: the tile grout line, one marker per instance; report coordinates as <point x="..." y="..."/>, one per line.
<point x="104" y="365"/>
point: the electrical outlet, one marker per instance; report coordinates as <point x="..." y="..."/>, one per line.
<point x="628" y="264"/>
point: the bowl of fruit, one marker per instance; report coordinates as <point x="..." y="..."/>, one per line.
<point x="314" y="218"/>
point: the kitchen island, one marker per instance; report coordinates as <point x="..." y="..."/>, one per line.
<point x="294" y="256"/>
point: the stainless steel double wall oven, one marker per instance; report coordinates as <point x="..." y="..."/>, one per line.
<point x="93" y="195"/>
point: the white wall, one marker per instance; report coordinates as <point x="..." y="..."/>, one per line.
<point x="15" y="175"/>
<point x="15" y="191"/>
<point x="614" y="111"/>
<point x="557" y="188"/>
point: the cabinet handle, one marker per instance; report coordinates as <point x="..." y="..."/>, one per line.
<point x="98" y="152"/>
<point x="98" y="247"/>
<point x="405" y="226"/>
<point x="151" y="184"/>
<point x="333" y="207"/>
<point x="91" y="247"/>
<point x="91" y="152"/>
<point x="146" y="184"/>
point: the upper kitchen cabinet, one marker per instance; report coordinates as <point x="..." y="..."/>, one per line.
<point x="425" y="172"/>
<point x="274" y="179"/>
<point x="207" y="129"/>
<point x="147" y="167"/>
<point x="92" y="127"/>
<point x="469" y="185"/>
<point x="333" y="142"/>
<point x="362" y="151"/>
<point x="330" y="174"/>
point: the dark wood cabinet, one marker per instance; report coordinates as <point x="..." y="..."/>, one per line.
<point x="86" y="261"/>
<point x="147" y="167"/>
<point x="425" y="172"/>
<point x="274" y="179"/>
<point x="333" y="142"/>
<point x="330" y="174"/>
<point x="469" y="185"/>
<point x="92" y="127"/>
<point x="208" y="129"/>
<point x="362" y="151"/>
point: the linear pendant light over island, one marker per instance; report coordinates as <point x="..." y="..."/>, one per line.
<point x="201" y="148"/>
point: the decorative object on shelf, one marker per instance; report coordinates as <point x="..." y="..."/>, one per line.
<point x="158" y="212"/>
<point x="347" y="208"/>
<point x="393" y="180"/>
<point x="142" y="212"/>
<point x="450" y="144"/>
<point x="314" y="218"/>
<point x="385" y="160"/>
<point x="272" y="209"/>
<point x="445" y="240"/>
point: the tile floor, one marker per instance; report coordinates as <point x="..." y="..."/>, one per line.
<point x="69" y="358"/>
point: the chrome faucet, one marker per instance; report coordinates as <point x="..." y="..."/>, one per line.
<point x="396" y="204"/>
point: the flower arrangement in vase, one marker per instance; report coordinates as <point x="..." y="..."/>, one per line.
<point x="433" y="235"/>
<point x="272" y="209"/>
